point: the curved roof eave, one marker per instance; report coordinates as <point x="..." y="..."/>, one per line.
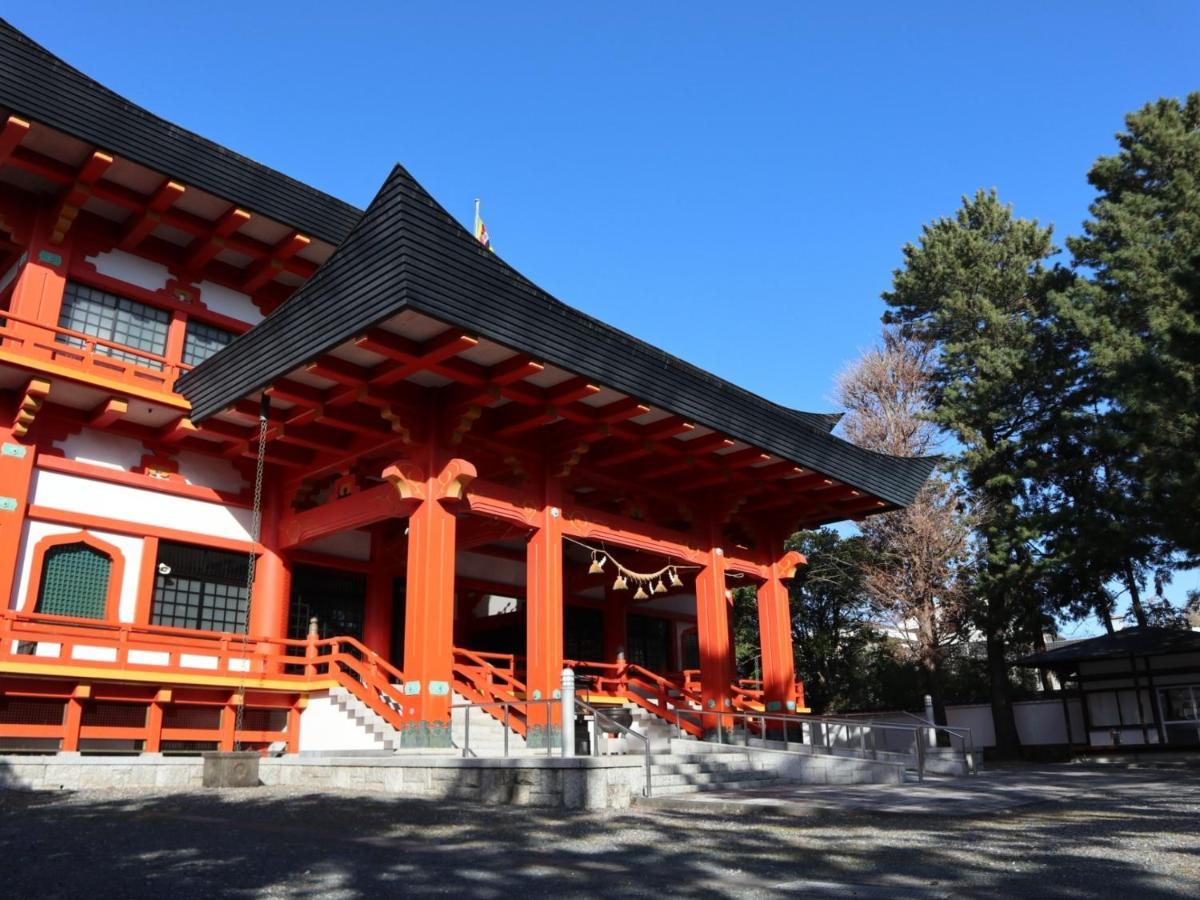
<point x="407" y="252"/>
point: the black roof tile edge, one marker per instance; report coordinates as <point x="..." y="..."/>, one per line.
<point x="1121" y="644"/>
<point x="408" y="252"/>
<point x="37" y="85"/>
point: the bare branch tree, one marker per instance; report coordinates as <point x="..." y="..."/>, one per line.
<point x="916" y="568"/>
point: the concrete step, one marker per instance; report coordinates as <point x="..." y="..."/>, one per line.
<point x="754" y="784"/>
<point x="711" y="778"/>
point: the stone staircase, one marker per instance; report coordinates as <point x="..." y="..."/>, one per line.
<point x="681" y="772"/>
<point x="487" y="733"/>
<point x="378" y="732"/>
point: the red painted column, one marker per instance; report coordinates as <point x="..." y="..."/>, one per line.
<point x="16" y="474"/>
<point x="271" y="588"/>
<point x="712" y="627"/>
<point x="775" y="640"/>
<point x="429" y="610"/>
<point x="39" y="289"/>
<point x="544" y="616"/>
<point x="377" y="616"/>
<point x="775" y="634"/>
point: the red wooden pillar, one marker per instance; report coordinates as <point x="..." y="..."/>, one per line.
<point x="39" y="288"/>
<point x="377" y="615"/>
<point x="73" y="718"/>
<point x="271" y="588"/>
<point x="429" y="608"/>
<point x="16" y="474"/>
<point x="544" y="617"/>
<point x="712" y="628"/>
<point x="775" y="634"/>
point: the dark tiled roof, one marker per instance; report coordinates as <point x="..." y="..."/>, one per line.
<point x="37" y="85"/>
<point x="407" y="252"/>
<point x="1127" y="641"/>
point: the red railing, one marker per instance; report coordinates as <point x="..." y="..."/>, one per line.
<point x="669" y="700"/>
<point x="29" y="643"/>
<point x="88" y="354"/>
<point x="491" y="677"/>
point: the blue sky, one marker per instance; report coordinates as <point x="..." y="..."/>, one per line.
<point x="732" y="182"/>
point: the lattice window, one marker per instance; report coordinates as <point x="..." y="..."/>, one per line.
<point x="200" y="588"/>
<point x="74" y="582"/>
<point x="115" y="319"/>
<point x="335" y="598"/>
<point x="202" y="341"/>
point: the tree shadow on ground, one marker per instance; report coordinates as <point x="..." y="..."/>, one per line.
<point x="281" y="842"/>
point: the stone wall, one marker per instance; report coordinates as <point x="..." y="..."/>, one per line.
<point x="70" y="771"/>
<point x="580" y="783"/>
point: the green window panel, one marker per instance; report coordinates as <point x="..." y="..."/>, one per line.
<point x="74" y="582"/>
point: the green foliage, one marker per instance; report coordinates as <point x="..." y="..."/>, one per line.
<point x="1139" y="315"/>
<point x="976" y="288"/>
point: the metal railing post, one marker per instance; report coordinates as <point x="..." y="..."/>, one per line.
<point x="568" y="712"/>
<point x="467" y="732"/>
<point x="507" y="710"/>
<point x="862" y="741"/>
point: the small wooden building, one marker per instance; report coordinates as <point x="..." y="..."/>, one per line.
<point x="1139" y="686"/>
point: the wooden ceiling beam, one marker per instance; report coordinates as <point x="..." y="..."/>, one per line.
<point x="108" y="412"/>
<point x="58" y="173"/>
<point x="141" y="225"/>
<point x="78" y="194"/>
<point x="11" y="135"/>
<point x="207" y="246"/>
<point x="266" y="269"/>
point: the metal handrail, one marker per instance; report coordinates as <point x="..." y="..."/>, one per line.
<point x="623" y="729"/>
<point x="917" y="731"/>
<point x="507" y="706"/>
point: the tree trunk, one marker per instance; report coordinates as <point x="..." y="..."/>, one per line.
<point x="1105" y="616"/>
<point x="1135" y="596"/>
<point x="1008" y="741"/>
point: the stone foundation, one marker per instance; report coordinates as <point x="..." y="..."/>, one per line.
<point x="579" y="783"/>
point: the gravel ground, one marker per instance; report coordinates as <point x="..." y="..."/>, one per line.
<point x="1133" y="836"/>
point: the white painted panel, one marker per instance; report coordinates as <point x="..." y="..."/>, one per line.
<point x="47" y="649"/>
<point x="149" y="657"/>
<point x="226" y="302"/>
<point x="95" y="654"/>
<point x="72" y="493"/>
<point x="110" y="451"/>
<point x="131" y="269"/>
<point x="192" y="661"/>
<point x="210" y="472"/>
<point x="239" y="665"/>
<point x="324" y="726"/>
<point x="130" y="547"/>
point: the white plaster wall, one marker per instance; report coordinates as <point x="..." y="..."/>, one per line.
<point x="131" y="269"/>
<point x="130" y="547"/>
<point x="110" y="451"/>
<point x="325" y="727"/>
<point x="210" y="472"/>
<point x="72" y="493"/>
<point x="227" y="302"/>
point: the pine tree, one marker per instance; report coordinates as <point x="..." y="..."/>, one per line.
<point x="1139" y="314"/>
<point x="976" y="289"/>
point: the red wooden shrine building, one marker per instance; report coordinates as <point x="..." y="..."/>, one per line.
<point x="465" y="483"/>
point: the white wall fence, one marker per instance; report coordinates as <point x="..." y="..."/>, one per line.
<point x="1039" y="723"/>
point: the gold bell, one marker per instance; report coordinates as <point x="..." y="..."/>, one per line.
<point x="675" y="579"/>
<point x="659" y="587"/>
<point x="620" y="584"/>
<point x="597" y="566"/>
<point x="641" y="593"/>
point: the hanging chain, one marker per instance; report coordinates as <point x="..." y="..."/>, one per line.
<point x="251" y="559"/>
